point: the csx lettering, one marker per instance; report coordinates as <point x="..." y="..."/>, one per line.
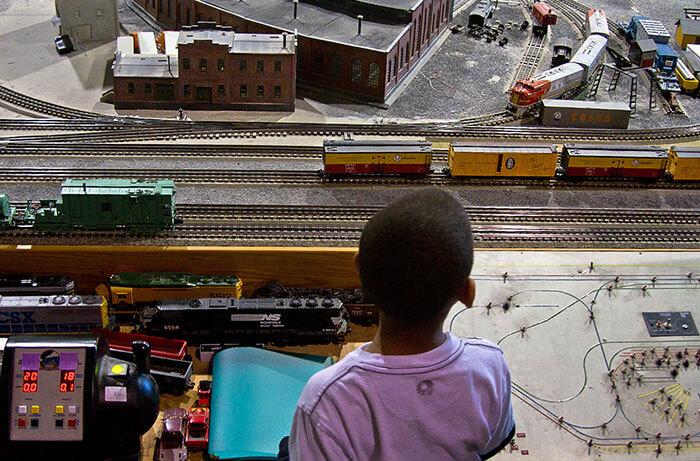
<point x="17" y="317"/>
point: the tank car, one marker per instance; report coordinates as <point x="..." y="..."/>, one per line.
<point x="518" y="160"/>
<point x="376" y="157"/>
<point x="249" y="321"/>
<point x="133" y="288"/>
<point x="109" y="204"/>
<point x="614" y="161"/>
<point x="52" y="314"/>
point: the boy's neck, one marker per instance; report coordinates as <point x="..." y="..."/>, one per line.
<point x="396" y="338"/>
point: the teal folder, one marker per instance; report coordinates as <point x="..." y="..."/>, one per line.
<point x="254" y="394"/>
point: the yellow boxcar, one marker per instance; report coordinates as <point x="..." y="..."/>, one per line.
<point x="686" y="78"/>
<point x="377" y="157"/>
<point x="527" y="161"/>
<point x="144" y="287"/>
<point x="684" y="163"/>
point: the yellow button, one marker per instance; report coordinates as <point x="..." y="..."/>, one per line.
<point x="118" y="370"/>
<point x="36" y="409"/>
<point x="59" y="409"/>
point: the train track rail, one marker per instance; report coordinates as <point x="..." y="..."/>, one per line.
<point x="477" y="214"/>
<point x="312" y="178"/>
<point x="437" y="131"/>
<point x="347" y="234"/>
<point x="42" y="107"/>
<point x="529" y="61"/>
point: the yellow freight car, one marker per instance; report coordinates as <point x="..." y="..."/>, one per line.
<point x="376" y="157"/>
<point x="684" y="163"/>
<point x="132" y="288"/>
<point x="686" y="78"/>
<point x="527" y="161"/>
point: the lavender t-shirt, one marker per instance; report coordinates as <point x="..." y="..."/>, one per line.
<point x="452" y="402"/>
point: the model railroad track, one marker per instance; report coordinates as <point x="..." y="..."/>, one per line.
<point x="529" y="61"/>
<point x="313" y="178"/>
<point x="43" y="107"/>
<point x="670" y="109"/>
<point x="576" y="12"/>
<point x="498" y="118"/>
<point x="477" y="214"/>
<point x="439" y="131"/>
<point x="331" y="233"/>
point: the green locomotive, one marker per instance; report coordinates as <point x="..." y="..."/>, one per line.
<point x="131" y="205"/>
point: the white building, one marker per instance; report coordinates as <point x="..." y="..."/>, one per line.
<point x="88" y="20"/>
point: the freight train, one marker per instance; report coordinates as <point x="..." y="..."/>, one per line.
<point x="566" y="77"/>
<point x="131" y="205"/>
<point x="473" y="160"/>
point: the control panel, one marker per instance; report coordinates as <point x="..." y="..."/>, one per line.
<point x="47" y="394"/>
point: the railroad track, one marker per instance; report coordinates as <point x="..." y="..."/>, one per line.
<point x="43" y="107"/>
<point x="345" y="234"/>
<point x="498" y="118"/>
<point x="313" y="178"/>
<point x="437" y="131"/>
<point x="529" y="61"/>
<point x="477" y="214"/>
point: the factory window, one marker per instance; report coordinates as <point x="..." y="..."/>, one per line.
<point x="202" y="64"/>
<point x="221" y="65"/>
<point x="170" y="9"/>
<point x="261" y="66"/>
<point x="165" y="92"/>
<point x="395" y="66"/>
<point x="356" y="70"/>
<point x="408" y="49"/>
<point x="131" y="87"/>
<point x="244" y="91"/>
<point x="221" y="91"/>
<point x="373" y="78"/>
<point x="278" y="91"/>
<point x="260" y="93"/>
<point x="186" y="64"/>
<point x="420" y="31"/>
<point x="388" y="72"/>
<point x="278" y="66"/>
<point x="242" y="64"/>
<point x="401" y="57"/>
<point x="186" y="90"/>
<point x="148" y="88"/>
<point x="335" y="66"/>
<point x="106" y="207"/>
<point x="160" y="6"/>
<point x="318" y="62"/>
<point x="99" y="12"/>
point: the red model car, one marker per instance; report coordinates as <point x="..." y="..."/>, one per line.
<point x="197" y="437"/>
<point x="203" y="394"/>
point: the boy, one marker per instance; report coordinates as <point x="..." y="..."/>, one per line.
<point x="415" y="392"/>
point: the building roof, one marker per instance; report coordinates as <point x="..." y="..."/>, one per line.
<point x="406" y="5"/>
<point x="645" y="46"/>
<point x="241" y="43"/>
<point x="315" y="22"/>
<point x="140" y="65"/>
<point x="690" y="27"/>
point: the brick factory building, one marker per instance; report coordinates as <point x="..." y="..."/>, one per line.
<point x="360" y="48"/>
<point x="205" y="67"/>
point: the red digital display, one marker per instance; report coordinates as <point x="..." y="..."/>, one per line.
<point x="30" y="381"/>
<point x="67" y="381"/>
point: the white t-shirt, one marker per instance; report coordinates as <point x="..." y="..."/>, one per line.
<point x="452" y="402"/>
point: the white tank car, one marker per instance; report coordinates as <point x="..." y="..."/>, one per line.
<point x="561" y="78"/>
<point x="597" y="23"/>
<point x="590" y="55"/>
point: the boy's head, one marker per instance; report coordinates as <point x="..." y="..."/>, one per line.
<point x="416" y="255"/>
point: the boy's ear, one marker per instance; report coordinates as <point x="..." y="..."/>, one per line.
<point x="468" y="292"/>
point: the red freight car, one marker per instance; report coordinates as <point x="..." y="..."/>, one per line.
<point x="614" y="161"/>
<point x="376" y="157"/>
<point x="544" y="14"/>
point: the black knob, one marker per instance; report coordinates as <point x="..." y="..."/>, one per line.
<point x="142" y="356"/>
<point x="296" y="302"/>
<point x="327" y="302"/>
<point x="311" y="302"/>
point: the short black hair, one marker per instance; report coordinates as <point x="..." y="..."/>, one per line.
<point x="416" y="254"/>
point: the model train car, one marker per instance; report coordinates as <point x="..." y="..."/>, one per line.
<point x="52" y="314"/>
<point x="544" y="17"/>
<point x="483" y="159"/>
<point x="134" y="288"/>
<point x="249" y="321"/>
<point x="376" y="157"/>
<point x="561" y="79"/>
<point x="31" y="285"/>
<point x="594" y="161"/>
<point x="131" y="205"/>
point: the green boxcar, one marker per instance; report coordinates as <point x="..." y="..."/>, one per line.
<point x="109" y="204"/>
<point x="6" y="212"/>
